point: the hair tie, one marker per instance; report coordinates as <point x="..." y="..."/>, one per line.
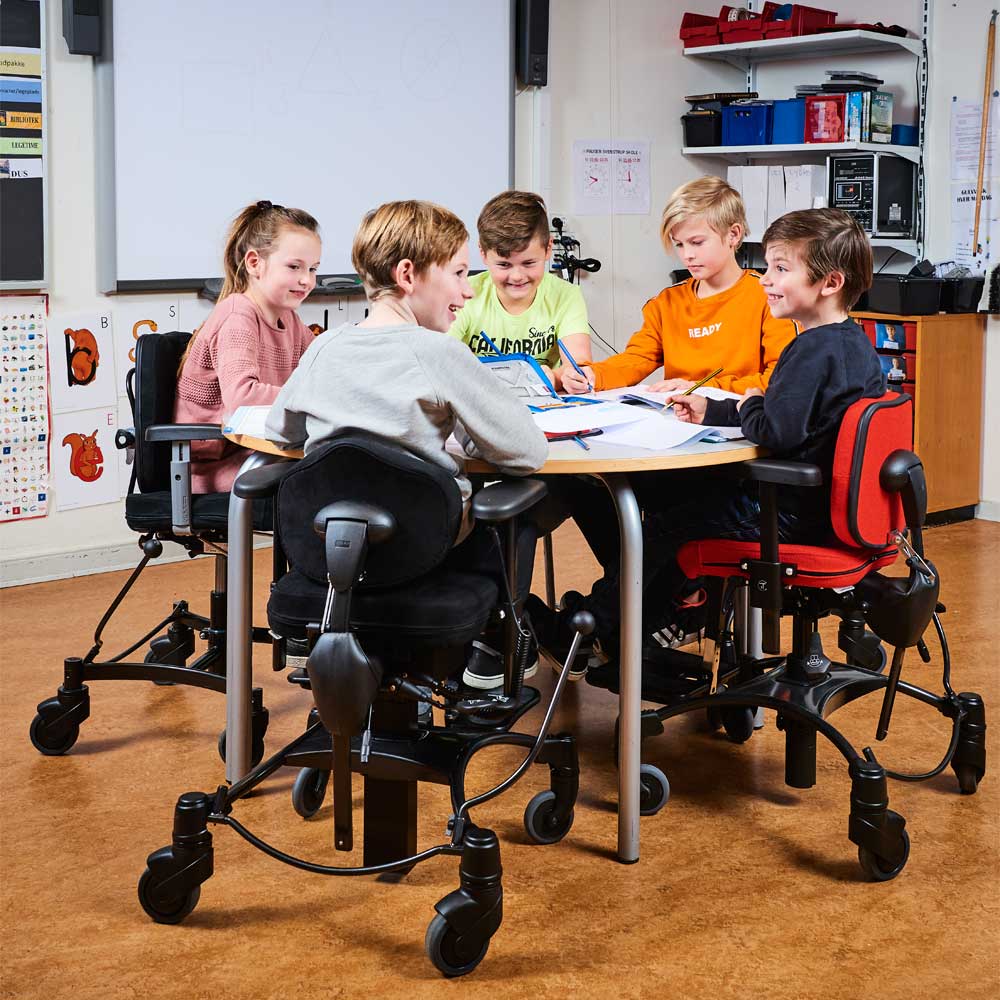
<point x="264" y="206"/>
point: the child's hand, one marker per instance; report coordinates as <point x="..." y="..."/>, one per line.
<point x="551" y="376"/>
<point x="689" y="409"/>
<point x="746" y="396"/>
<point x="671" y="385"/>
<point x="574" y="382"/>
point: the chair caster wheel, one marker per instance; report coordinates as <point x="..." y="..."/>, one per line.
<point x="256" y="749"/>
<point x="880" y="870"/>
<point x="309" y="790"/>
<point x="968" y="776"/>
<point x="654" y="790"/>
<point x="152" y="657"/>
<point x="453" y="954"/>
<point x="50" y="739"/>
<point x="170" y="911"/>
<point x="540" y="821"/>
<point x="738" y="723"/>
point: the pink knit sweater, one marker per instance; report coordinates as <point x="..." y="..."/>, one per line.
<point x="237" y="359"/>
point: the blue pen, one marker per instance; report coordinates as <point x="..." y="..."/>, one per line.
<point x="583" y="444"/>
<point x="572" y="361"/>
<point x="486" y="337"/>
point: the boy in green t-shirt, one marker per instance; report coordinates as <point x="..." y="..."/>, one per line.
<point x="521" y="305"/>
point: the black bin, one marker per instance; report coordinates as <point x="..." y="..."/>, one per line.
<point x="961" y="295"/>
<point x="902" y="295"/>
<point x="702" y="128"/>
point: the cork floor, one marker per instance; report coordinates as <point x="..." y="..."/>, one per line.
<point x="745" y="887"/>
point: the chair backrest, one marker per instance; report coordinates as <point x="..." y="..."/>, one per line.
<point x="157" y="356"/>
<point x="422" y="497"/>
<point x="863" y="512"/>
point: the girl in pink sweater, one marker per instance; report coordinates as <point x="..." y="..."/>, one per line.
<point x="252" y="340"/>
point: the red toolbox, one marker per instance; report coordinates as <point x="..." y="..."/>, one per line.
<point x="733" y="28"/>
<point x="699" y="29"/>
<point x="802" y="20"/>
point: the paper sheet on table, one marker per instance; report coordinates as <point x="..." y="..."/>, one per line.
<point x="248" y="421"/>
<point x="708" y="391"/>
<point x="658" y="433"/>
<point x="578" y="418"/>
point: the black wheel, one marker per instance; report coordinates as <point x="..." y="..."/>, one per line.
<point x="53" y="741"/>
<point x="256" y="749"/>
<point x="738" y="723"/>
<point x="540" y="821"/>
<point x="654" y="790"/>
<point x="452" y="955"/>
<point x="171" y="912"/>
<point x="309" y="790"/>
<point x="878" y="868"/>
<point x="151" y="657"/>
<point x="968" y="776"/>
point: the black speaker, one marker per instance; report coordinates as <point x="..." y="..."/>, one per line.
<point x="532" y="34"/>
<point x="82" y="26"/>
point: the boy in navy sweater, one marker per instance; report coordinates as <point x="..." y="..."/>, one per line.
<point x="818" y="264"/>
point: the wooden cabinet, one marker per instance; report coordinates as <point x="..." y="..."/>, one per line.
<point x="941" y="358"/>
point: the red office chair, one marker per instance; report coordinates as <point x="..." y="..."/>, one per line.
<point x="878" y="490"/>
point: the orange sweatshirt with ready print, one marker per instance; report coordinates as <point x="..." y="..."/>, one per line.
<point x="691" y="337"/>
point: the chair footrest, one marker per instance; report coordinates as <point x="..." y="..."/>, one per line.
<point x="673" y="676"/>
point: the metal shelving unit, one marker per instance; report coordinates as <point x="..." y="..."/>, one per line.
<point x="747" y="56"/>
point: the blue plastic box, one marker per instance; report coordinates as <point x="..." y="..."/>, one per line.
<point x="789" y="121"/>
<point x="904" y="135"/>
<point x="746" y="124"/>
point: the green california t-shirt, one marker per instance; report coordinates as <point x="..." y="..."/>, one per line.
<point x="558" y="310"/>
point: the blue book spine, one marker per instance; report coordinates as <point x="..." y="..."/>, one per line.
<point x="855" y="113"/>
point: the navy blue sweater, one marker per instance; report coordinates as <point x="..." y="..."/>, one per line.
<point x="818" y="376"/>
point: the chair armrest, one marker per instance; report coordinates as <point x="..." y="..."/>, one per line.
<point x="262" y="481"/>
<point x="500" y="502"/>
<point x="774" y="470"/>
<point x="183" y="432"/>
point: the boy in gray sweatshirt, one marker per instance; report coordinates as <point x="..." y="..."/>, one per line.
<point x="398" y="375"/>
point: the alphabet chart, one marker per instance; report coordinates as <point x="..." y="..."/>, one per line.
<point x="24" y="417"/>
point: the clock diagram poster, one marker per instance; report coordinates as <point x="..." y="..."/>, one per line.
<point x="611" y="177"/>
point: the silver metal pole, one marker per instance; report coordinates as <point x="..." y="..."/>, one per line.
<point x="630" y="696"/>
<point x="239" y="645"/>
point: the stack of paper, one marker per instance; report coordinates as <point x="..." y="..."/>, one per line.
<point x="248" y="421"/>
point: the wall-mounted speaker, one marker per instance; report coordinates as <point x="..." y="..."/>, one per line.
<point x="82" y="26"/>
<point x="532" y="42"/>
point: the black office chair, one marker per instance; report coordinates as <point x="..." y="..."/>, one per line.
<point x="160" y="507"/>
<point x="390" y="608"/>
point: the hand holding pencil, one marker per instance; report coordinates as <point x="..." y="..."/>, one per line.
<point x="688" y="407"/>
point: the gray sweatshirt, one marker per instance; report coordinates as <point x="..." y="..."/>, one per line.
<point x="409" y="385"/>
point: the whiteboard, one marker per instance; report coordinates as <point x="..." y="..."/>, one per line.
<point x="326" y="105"/>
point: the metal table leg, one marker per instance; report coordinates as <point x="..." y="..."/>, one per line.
<point x="750" y="632"/>
<point x="630" y="697"/>
<point x="239" y="623"/>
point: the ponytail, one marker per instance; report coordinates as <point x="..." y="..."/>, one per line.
<point x="257" y="227"/>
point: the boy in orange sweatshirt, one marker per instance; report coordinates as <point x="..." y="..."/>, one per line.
<point x="719" y="317"/>
<point x="716" y="318"/>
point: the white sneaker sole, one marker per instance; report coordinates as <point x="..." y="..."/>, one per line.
<point x="481" y="683"/>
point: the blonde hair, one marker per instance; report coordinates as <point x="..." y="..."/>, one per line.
<point x="419" y="231"/>
<point x="828" y="240"/>
<point x="710" y="197"/>
<point x="257" y="227"/>
<point x="511" y="220"/>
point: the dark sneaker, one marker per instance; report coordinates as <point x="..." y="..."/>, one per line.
<point x="687" y="621"/>
<point x="555" y="634"/>
<point x="484" y="671"/>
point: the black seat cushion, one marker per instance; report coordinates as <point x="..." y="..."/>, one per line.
<point x="209" y="511"/>
<point x="443" y="608"/>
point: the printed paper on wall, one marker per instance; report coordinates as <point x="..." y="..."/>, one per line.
<point x="82" y="362"/>
<point x="83" y="458"/>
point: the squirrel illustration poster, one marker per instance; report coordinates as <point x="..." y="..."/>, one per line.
<point x="82" y="357"/>
<point x="86" y="460"/>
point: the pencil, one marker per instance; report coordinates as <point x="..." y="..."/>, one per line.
<point x="698" y="384"/>
<point x="579" y="370"/>
<point x="583" y="444"/>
